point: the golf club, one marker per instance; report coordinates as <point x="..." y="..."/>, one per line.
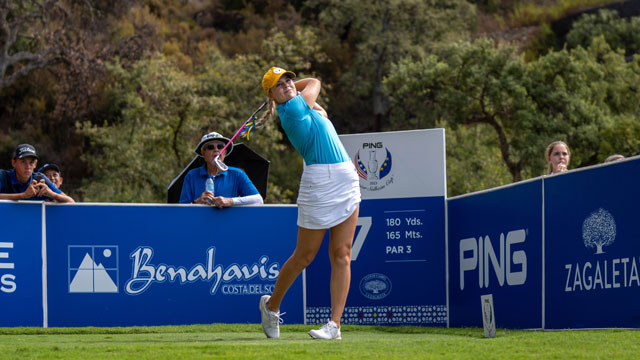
<point x="216" y="161"/>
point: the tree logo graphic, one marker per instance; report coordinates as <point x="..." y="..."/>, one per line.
<point x="375" y="286"/>
<point x="599" y="230"/>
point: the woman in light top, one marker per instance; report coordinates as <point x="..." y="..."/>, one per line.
<point x="558" y="156"/>
<point x="329" y="195"/>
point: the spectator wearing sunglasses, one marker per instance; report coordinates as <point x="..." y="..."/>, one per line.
<point x="231" y="187"/>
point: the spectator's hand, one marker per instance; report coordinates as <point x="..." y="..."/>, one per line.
<point x="43" y="189"/>
<point x="561" y="167"/>
<point x="206" y="198"/>
<point x="222" y="202"/>
<point x="31" y="190"/>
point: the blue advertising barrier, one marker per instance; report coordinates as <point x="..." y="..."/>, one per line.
<point x="555" y="252"/>
<point x="495" y="247"/>
<point x="124" y="265"/>
<point x="592" y="247"/>
<point x="21" y="264"/>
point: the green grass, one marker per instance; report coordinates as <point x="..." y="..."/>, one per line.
<point x="359" y="342"/>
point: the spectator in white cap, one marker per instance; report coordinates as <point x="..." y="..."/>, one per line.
<point x="231" y="187"/>
<point x="22" y="183"/>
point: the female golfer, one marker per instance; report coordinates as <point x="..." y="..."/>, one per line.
<point x="329" y="195"/>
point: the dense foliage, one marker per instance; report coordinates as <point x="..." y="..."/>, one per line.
<point x="118" y="93"/>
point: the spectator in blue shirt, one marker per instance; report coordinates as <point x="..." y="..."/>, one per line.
<point x="231" y="187"/>
<point x="22" y="183"/>
<point x="53" y="173"/>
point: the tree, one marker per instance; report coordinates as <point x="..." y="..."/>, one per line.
<point x="469" y="84"/>
<point x="588" y="93"/>
<point x="364" y="38"/>
<point x="573" y="95"/>
<point x="473" y="159"/>
<point x="73" y="39"/>
<point x="29" y="35"/>
<point x="619" y="33"/>
<point x="154" y="110"/>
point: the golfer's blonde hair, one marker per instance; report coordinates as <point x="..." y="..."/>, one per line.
<point x="271" y="113"/>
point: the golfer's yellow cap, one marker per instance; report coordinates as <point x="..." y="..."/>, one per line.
<point x="271" y="77"/>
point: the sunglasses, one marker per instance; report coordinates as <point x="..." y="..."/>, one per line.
<point x="215" y="146"/>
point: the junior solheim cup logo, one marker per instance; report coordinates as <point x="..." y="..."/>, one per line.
<point x="375" y="170"/>
<point x="599" y="230"/>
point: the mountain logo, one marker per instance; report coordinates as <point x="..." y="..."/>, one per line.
<point x="599" y="230"/>
<point x="93" y="269"/>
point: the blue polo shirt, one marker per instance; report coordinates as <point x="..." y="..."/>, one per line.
<point x="312" y="134"/>
<point x="231" y="183"/>
<point x="9" y="184"/>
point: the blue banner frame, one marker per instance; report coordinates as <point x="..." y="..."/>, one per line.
<point x="495" y="247"/>
<point x="159" y="265"/>
<point x="592" y="250"/>
<point x="21" y="264"/>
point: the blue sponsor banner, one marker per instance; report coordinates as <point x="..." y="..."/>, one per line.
<point x="21" y="264"/>
<point x="124" y="265"/>
<point x="495" y="247"/>
<point x="398" y="272"/>
<point x="592" y="247"/>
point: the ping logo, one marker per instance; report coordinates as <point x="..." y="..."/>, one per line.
<point x="479" y="254"/>
<point x="599" y="230"/>
<point x="93" y="269"/>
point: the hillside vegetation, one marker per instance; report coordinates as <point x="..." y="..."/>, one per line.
<point x="118" y="93"/>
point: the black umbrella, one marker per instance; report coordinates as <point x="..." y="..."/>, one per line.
<point x="256" y="167"/>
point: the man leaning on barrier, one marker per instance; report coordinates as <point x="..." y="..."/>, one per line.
<point x="22" y="183"/>
<point x="231" y="187"/>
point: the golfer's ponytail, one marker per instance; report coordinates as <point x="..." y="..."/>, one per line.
<point x="270" y="113"/>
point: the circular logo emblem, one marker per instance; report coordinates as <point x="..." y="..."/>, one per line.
<point x="373" y="165"/>
<point x="375" y="286"/>
<point x="277" y="70"/>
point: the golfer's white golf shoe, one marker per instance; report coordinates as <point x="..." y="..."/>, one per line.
<point x="327" y="332"/>
<point x="270" y="320"/>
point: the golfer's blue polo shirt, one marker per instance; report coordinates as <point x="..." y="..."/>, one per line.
<point x="312" y="134"/>
<point x="9" y="184"/>
<point x="231" y="183"/>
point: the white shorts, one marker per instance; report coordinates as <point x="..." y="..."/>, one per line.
<point x="328" y="195"/>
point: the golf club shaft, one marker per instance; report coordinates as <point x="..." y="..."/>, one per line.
<point x="242" y="126"/>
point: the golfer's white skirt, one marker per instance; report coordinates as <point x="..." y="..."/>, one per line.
<point x="328" y="195"/>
